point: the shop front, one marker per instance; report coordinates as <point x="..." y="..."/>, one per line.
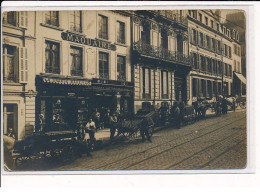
<point x="64" y="103"/>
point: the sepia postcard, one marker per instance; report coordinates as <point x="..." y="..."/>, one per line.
<point x="124" y="90"/>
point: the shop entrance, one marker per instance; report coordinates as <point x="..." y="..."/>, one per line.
<point x="106" y="102"/>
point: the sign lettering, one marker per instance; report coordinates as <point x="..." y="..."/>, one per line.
<point x="87" y="41"/>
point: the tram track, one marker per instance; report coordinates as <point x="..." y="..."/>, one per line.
<point x="105" y="166"/>
<point x="207" y="148"/>
<point x="177" y="146"/>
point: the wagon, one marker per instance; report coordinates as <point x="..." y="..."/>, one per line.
<point x="55" y="144"/>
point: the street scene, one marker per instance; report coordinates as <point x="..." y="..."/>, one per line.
<point x="124" y="90"/>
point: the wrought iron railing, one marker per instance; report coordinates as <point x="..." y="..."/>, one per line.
<point x="177" y="18"/>
<point x="161" y="53"/>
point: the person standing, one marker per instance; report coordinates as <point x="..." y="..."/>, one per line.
<point x="96" y="119"/>
<point x="145" y="130"/>
<point x="224" y="106"/>
<point x="90" y="129"/>
<point x="177" y="114"/>
<point x="112" y="122"/>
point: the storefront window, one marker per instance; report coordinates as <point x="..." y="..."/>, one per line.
<point x="10" y="18"/>
<point x="103" y="27"/>
<point x="120" y="30"/>
<point x="103" y="65"/>
<point x="164" y="84"/>
<point x="10" y="72"/>
<point x="146" y="83"/>
<point x="52" y="18"/>
<point x="75" y="21"/>
<point x="10" y="120"/>
<point x="121" y="68"/>
<point x="76" y="61"/>
<point x="52" y="62"/>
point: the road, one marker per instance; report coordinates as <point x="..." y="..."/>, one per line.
<point x="213" y="143"/>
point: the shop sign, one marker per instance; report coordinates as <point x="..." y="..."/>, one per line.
<point x="87" y="41"/>
<point x="66" y="81"/>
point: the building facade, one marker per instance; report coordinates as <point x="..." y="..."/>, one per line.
<point x="160" y="57"/>
<point x="83" y="63"/>
<point x="18" y="67"/>
<point x="211" y="45"/>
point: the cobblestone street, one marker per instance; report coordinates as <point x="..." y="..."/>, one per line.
<point x="213" y="143"/>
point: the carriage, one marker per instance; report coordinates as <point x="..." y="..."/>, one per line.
<point x="62" y="145"/>
<point x="131" y="126"/>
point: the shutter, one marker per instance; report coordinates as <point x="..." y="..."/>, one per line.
<point x="23" y="65"/>
<point x="23" y="19"/>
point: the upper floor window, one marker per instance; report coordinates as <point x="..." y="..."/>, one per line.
<point x="52" y="18"/>
<point x="229" y="52"/>
<point x="103" y="65"/>
<point x="219" y="46"/>
<point x="121" y="68"/>
<point x="120" y="31"/>
<point x="76" y="61"/>
<point x="52" y="57"/>
<point x="10" y="69"/>
<point x="224" y="30"/>
<point x="212" y="23"/>
<point x="228" y="33"/>
<point x="201" y="39"/>
<point x="217" y="27"/>
<point x="75" y="21"/>
<point x="200" y="17"/>
<point x="103" y="27"/>
<point x="194" y="36"/>
<point x="206" y="21"/>
<point x="10" y="17"/>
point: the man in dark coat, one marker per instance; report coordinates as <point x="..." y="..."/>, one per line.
<point x="224" y="106"/>
<point x="145" y="130"/>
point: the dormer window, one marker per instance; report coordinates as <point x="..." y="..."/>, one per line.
<point x="217" y="27"/>
<point x="200" y="17"/>
<point x="206" y="21"/>
<point x="212" y="23"/>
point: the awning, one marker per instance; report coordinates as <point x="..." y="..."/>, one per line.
<point x="241" y="77"/>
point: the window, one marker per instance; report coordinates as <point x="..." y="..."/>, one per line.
<point x="201" y="39"/>
<point x="194" y="36"/>
<point x="212" y="23"/>
<point x="228" y="33"/>
<point x="235" y="65"/>
<point x="164" y="84"/>
<point x="52" y="57"/>
<point x="229" y="52"/>
<point x="52" y="18"/>
<point x="206" y="21"/>
<point x="103" y="27"/>
<point x="224" y="30"/>
<point x="208" y="42"/>
<point x="219" y="47"/>
<point x="120" y="30"/>
<point x="235" y="49"/>
<point x="76" y="61"/>
<point x="121" y="68"/>
<point x="10" y="71"/>
<point x="194" y="87"/>
<point x="195" y="64"/>
<point x="217" y="27"/>
<point x="200" y="17"/>
<point x="75" y="21"/>
<point x="10" y="18"/>
<point x="226" y="69"/>
<point x="213" y="44"/>
<point x="225" y="50"/>
<point x="209" y="65"/>
<point x="194" y="14"/>
<point x="230" y="70"/>
<point x="146" y="83"/>
<point x="103" y="65"/>
<point x="10" y="119"/>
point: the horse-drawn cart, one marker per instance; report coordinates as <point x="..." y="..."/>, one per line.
<point x="55" y="144"/>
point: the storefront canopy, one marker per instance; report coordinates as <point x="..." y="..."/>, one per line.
<point x="241" y="77"/>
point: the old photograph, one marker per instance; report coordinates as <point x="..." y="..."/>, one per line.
<point x="106" y="90"/>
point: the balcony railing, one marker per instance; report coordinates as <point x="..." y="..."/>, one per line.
<point x="161" y="53"/>
<point x="177" y="18"/>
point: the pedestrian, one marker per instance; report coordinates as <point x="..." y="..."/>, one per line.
<point x="90" y="129"/>
<point x="234" y="104"/>
<point x="177" y="114"/>
<point x="224" y="106"/>
<point x="145" y="130"/>
<point x="102" y="117"/>
<point x="112" y="123"/>
<point x="96" y="119"/>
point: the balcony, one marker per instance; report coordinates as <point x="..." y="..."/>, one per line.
<point x="161" y="53"/>
<point x="179" y="20"/>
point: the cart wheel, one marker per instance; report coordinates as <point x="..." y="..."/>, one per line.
<point x="69" y="153"/>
